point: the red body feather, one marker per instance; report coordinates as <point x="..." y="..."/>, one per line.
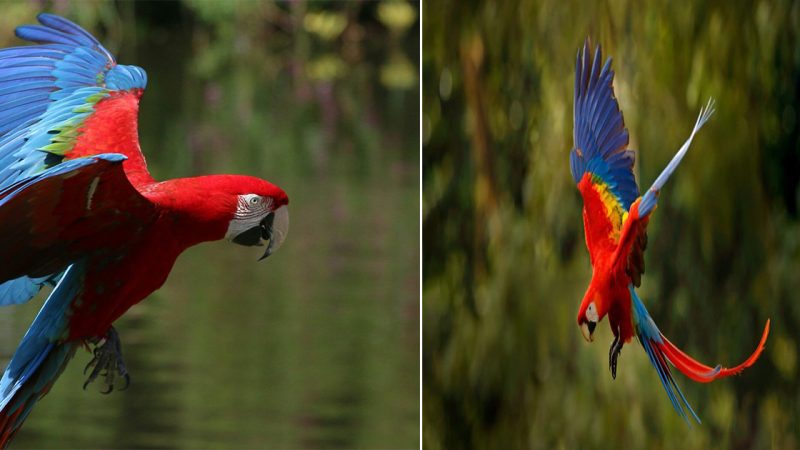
<point x="609" y="286"/>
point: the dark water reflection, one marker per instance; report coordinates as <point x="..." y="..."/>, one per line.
<point x="315" y="347"/>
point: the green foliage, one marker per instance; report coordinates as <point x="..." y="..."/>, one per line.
<point x="505" y="265"/>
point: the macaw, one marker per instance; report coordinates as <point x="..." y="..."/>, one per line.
<point x="79" y="210"/>
<point x="615" y="222"/>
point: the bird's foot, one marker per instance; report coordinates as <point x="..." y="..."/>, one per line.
<point x="107" y="363"/>
<point x="613" y="353"/>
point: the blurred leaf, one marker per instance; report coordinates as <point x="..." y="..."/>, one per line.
<point x="326" y="25"/>
<point x="397" y="15"/>
<point x="398" y="72"/>
<point x="326" y="67"/>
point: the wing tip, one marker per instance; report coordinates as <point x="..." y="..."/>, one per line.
<point x="44" y="17"/>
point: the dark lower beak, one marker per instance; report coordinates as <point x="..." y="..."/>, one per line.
<point x="272" y="229"/>
<point x="587" y="330"/>
<point x="258" y="234"/>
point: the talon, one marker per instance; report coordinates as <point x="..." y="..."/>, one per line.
<point x="91" y="364"/>
<point x="107" y="363"/>
<point x="611" y="356"/>
<point x="614" y="366"/>
<point x="613" y="353"/>
<point x="127" y="382"/>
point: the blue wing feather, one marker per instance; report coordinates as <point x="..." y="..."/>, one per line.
<point x="20" y="290"/>
<point x="51" y="88"/>
<point x="600" y="134"/>
<point x="65" y="168"/>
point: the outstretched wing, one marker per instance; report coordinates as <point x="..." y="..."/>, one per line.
<point x="66" y="98"/>
<point x="601" y="165"/>
<point x="630" y="252"/>
<point x="62" y="99"/>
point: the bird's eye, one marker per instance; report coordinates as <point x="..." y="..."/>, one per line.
<point x="255" y="200"/>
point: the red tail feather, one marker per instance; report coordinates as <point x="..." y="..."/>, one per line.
<point x="700" y="372"/>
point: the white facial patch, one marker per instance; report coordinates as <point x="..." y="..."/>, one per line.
<point x="250" y="209"/>
<point x="591" y="313"/>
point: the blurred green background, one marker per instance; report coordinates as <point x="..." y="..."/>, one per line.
<point x="317" y="347"/>
<point x="505" y="265"/>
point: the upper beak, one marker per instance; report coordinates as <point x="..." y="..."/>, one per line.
<point x="587" y="329"/>
<point x="274" y="228"/>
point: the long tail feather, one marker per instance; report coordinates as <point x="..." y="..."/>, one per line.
<point x="700" y="372"/>
<point x="674" y="392"/>
<point x="40" y="357"/>
<point x="650" y="337"/>
<point x="661" y="351"/>
<point x="33" y="386"/>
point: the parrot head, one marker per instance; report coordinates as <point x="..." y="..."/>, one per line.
<point x="261" y="216"/>
<point x="590" y="313"/>
<point x="242" y="209"/>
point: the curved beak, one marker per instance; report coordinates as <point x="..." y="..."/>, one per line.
<point x="274" y="229"/>
<point x="587" y="330"/>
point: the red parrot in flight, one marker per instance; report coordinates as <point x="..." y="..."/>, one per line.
<point x="79" y="210"/>
<point x="615" y="220"/>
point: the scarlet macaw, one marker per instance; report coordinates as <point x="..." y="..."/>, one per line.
<point x="80" y="211"/>
<point x="615" y="220"/>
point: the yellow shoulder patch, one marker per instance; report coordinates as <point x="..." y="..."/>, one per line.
<point x="614" y="211"/>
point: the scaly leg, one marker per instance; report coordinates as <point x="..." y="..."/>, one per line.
<point x="107" y="362"/>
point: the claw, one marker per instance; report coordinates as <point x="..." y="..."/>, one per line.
<point x="127" y="382"/>
<point x="614" y="363"/>
<point x="91" y="364"/>
<point x="107" y="363"/>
